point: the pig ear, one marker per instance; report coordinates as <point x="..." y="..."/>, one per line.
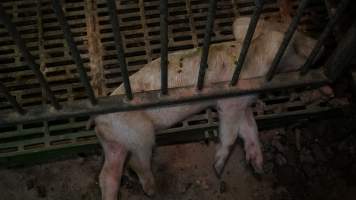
<point x="240" y="27"/>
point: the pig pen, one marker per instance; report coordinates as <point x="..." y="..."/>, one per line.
<point x="297" y="166"/>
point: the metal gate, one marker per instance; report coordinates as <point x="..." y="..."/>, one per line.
<point x="49" y="51"/>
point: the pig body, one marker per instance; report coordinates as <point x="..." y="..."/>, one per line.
<point x="133" y="133"/>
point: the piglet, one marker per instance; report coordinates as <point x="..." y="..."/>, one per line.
<point x="131" y="135"/>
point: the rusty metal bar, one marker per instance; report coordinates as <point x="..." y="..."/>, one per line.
<point x="11" y="99"/>
<point x="247" y="41"/>
<point x="287" y="37"/>
<point x="329" y="27"/>
<point x="151" y="99"/>
<point x="207" y="38"/>
<point x="57" y="7"/>
<point x="119" y="47"/>
<point x="343" y="54"/>
<point x="20" y="43"/>
<point x="164" y="45"/>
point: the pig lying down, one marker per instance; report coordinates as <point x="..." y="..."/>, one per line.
<point x="130" y="136"/>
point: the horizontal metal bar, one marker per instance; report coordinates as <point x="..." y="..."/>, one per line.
<point x="48" y="148"/>
<point x="207" y="39"/>
<point x="247" y="41"/>
<point x="55" y="153"/>
<point x="11" y="28"/>
<point x="287" y="37"/>
<point x="57" y="7"/>
<point x="119" y="47"/>
<point x="11" y="99"/>
<point x="164" y="45"/>
<point x="38" y="156"/>
<point x="152" y="99"/>
<point x="327" y="30"/>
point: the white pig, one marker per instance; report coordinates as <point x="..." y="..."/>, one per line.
<point x="132" y="134"/>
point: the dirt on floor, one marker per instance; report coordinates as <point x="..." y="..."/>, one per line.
<point x="314" y="161"/>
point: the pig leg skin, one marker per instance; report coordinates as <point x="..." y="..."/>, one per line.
<point x="249" y="133"/>
<point x="236" y="118"/>
<point x="140" y="162"/>
<point x="228" y="128"/>
<point x="136" y="132"/>
<point x="230" y="113"/>
<point x="110" y="175"/>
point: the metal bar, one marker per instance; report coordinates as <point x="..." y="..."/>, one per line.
<point x="119" y="47"/>
<point x="164" y="45"/>
<point x="152" y="99"/>
<point x="66" y="151"/>
<point x="287" y="37"/>
<point x="57" y="7"/>
<point x="207" y="39"/>
<point x="329" y="27"/>
<point x="343" y="54"/>
<point x="11" y="99"/>
<point x="10" y="26"/>
<point x="247" y="41"/>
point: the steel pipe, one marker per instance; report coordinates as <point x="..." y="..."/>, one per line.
<point x="11" y="28"/>
<point x="247" y="41"/>
<point x="57" y="7"/>
<point x="327" y="30"/>
<point x="287" y="37"/>
<point x="119" y="47"/>
<point x="164" y="45"/>
<point x="150" y="99"/>
<point x="343" y="54"/>
<point x="207" y="39"/>
<point x="11" y="99"/>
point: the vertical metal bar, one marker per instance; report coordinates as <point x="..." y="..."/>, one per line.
<point x="119" y="47"/>
<point x="329" y="27"/>
<point x="247" y="41"/>
<point x="164" y="45"/>
<point x="57" y="7"/>
<point x="207" y="39"/>
<point x="287" y="37"/>
<point x="5" y="20"/>
<point x="11" y="99"/>
<point x="343" y="54"/>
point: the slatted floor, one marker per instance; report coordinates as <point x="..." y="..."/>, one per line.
<point x="89" y="22"/>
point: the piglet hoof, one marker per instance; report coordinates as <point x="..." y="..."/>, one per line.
<point x="254" y="156"/>
<point x="149" y="193"/>
<point x="257" y="167"/>
<point x="149" y="190"/>
<point x="218" y="169"/>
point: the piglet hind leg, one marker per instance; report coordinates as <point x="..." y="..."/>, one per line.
<point x="229" y="115"/>
<point x="111" y="172"/>
<point x="140" y="162"/>
<point x="249" y="133"/>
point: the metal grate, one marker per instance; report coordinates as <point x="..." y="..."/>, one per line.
<point x="92" y="31"/>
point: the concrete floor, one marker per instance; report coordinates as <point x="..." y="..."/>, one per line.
<point x="181" y="171"/>
<point x="316" y="161"/>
